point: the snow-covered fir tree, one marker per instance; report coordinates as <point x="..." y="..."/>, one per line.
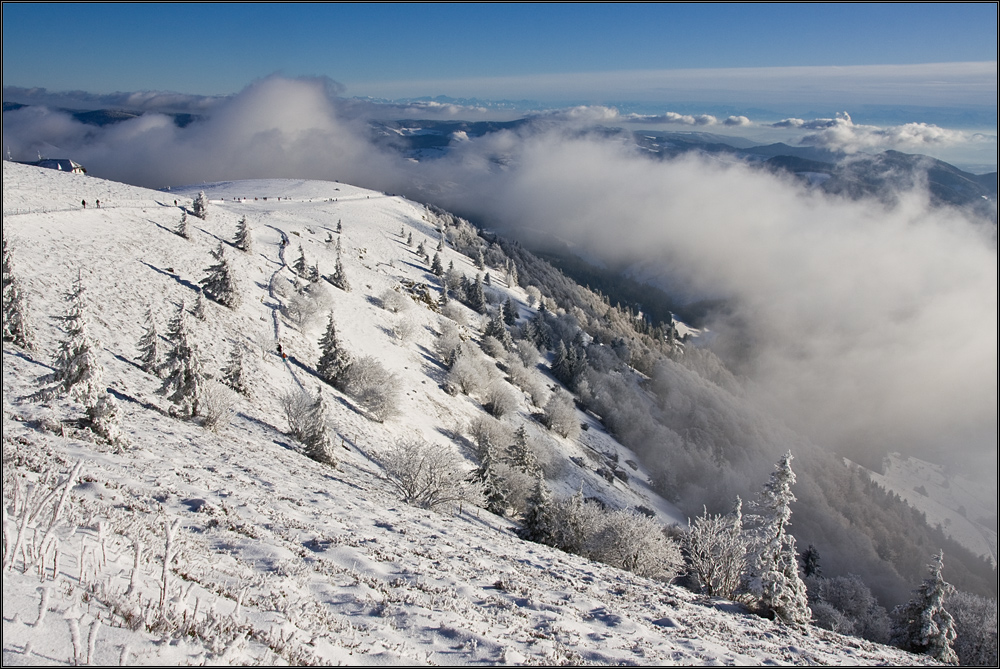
<point x="219" y="284"/>
<point x="233" y="375"/>
<point x="149" y="345"/>
<point x="539" y="521"/>
<point x="300" y="265"/>
<point x="105" y="419"/>
<point x="775" y="580"/>
<point x="339" y="276"/>
<point x="520" y="455"/>
<point x="480" y="260"/>
<point x="476" y="297"/>
<point x="15" y="308"/>
<point x="436" y="268"/>
<point x="243" y="241"/>
<point x="409" y="239"/>
<point x="77" y="368"/>
<point x="509" y="312"/>
<point x="494" y="487"/>
<point x="333" y="360"/>
<point x="182" y="375"/>
<point x="924" y="625"/>
<point x="313" y="274"/>
<point x="200" y="310"/>
<point x="182" y="227"/>
<point x="316" y="432"/>
<point x="200" y="206"/>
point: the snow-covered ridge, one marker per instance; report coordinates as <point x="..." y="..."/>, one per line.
<point x="274" y="557"/>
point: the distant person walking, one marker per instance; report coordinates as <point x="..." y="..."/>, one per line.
<point x="84" y="203"/>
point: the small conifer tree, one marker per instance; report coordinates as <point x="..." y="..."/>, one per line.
<point x="182" y="227"/>
<point x="149" y="345"/>
<point x="234" y="374"/>
<point x="333" y="361"/>
<point x="775" y="577"/>
<point x="339" y="277"/>
<point x="200" y="206"/>
<point x="243" y="241"/>
<point x="539" y="521"/>
<point x="316" y="433"/>
<point x="436" y="268"/>
<point x="300" y="264"/>
<point x="924" y="625"/>
<point x="76" y="367"/>
<point x="520" y="454"/>
<point x="218" y="283"/>
<point x="182" y="375"/>
<point x="15" y="311"/>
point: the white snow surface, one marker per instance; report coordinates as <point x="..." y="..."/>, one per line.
<point x="965" y="510"/>
<point x="278" y="559"/>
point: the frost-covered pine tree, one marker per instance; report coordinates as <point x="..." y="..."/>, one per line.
<point x="409" y="239"/>
<point x="182" y="227"/>
<point x="924" y="625"/>
<point x="149" y="345"/>
<point x="200" y="206"/>
<point x="494" y="487"/>
<point x="316" y="432"/>
<point x="300" y="264"/>
<point x="105" y="419"/>
<point x="199" y="311"/>
<point x="182" y="375"/>
<point x="539" y="521"/>
<point x="333" y="361"/>
<point x="218" y="283"/>
<point x="233" y="374"/>
<point x="520" y="454"/>
<point x="476" y="297"/>
<point x="243" y="241"/>
<point x="509" y="312"/>
<point x="15" y="310"/>
<point x="436" y="268"/>
<point x="76" y="367"/>
<point x="775" y="577"/>
<point x="339" y="277"/>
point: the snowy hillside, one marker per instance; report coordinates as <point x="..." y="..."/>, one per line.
<point x="192" y="546"/>
<point x="966" y="510"/>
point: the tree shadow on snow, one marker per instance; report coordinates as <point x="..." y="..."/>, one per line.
<point x="175" y="277"/>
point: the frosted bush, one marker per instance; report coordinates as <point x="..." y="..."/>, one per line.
<point x="499" y="399"/>
<point x="393" y="300"/>
<point x="375" y="389"/>
<point x="428" y="475"/>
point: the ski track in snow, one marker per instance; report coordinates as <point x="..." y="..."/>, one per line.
<point x="277" y="558"/>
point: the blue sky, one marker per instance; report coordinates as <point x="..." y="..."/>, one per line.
<point x="383" y="49"/>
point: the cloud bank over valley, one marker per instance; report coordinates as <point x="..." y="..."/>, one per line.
<point x="866" y="325"/>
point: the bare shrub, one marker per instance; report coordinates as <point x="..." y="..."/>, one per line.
<point x="492" y="347"/>
<point x="217" y="404"/>
<point x="560" y="415"/>
<point x="499" y="399"/>
<point x="489" y="433"/>
<point x="403" y="329"/>
<point x="307" y="304"/>
<point x="296" y="404"/>
<point x="373" y="386"/>
<point x="470" y="372"/>
<point x="393" y="300"/>
<point x="635" y="542"/>
<point x="455" y="312"/>
<point x="429" y="476"/>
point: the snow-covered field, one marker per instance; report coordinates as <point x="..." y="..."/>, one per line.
<point x="190" y="546"/>
<point x="965" y="510"/>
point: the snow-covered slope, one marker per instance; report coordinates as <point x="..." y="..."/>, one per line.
<point x="273" y="557"/>
<point x="965" y="510"/>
